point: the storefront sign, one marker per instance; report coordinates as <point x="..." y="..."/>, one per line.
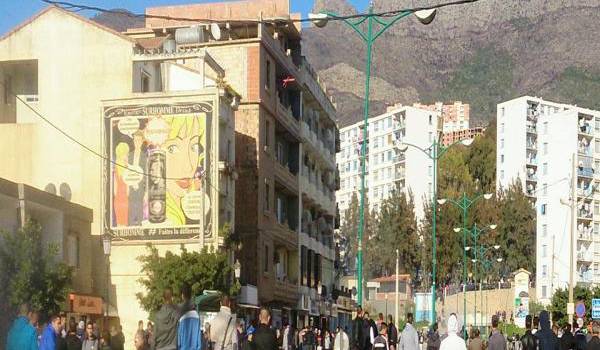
<point x="85" y="304"/>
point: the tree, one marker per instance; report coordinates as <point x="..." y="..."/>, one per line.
<point x="481" y="160"/>
<point x="395" y="228"/>
<point x="31" y="272"/>
<point x="558" y="306"/>
<point x="201" y="270"/>
<point x="348" y="235"/>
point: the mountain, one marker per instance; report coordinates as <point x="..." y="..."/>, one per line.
<point x="481" y="53"/>
<point x="119" y="20"/>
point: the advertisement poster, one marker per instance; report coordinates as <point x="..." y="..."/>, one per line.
<point x="521" y="306"/>
<point x="158" y="156"/>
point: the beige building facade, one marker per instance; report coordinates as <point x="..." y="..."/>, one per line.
<point x="75" y="73"/>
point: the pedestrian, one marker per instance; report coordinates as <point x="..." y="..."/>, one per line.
<point x="341" y="341"/>
<point x="264" y="338"/>
<point x="433" y="338"/>
<point x="81" y="329"/>
<point x="104" y="340"/>
<point x="287" y="343"/>
<point x="222" y="328"/>
<point x="357" y="334"/>
<point x="580" y="336"/>
<point x="139" y="340"/>
<point x="409" y="339"/>
<point x="22" y="334"/>
<point x="452" y="340"/>
<point x="71" y="341"/>
<point x="50" y="334"/>
<point x="373" y="332"/>
<point x="497" y="340"/>
<point x="150" y="335"/>
<point x="188" y="329"/>
<point x="475" y="343"/>
<point x="165" y="326"/>
<point x="117" y="342"/>
<point x="528" y="340"/>
<point x="536" y="325"/>
<point x="327" y="341"/>
<point x="381" y="341"/>
<point x="567" y="341"/>
<point x="392" y="333"/>
<point x="61" y="343"/>
<point x="594" y="343"/>
<point x="90" y="342"/>
<point x="248" y="341"/>
<point x="308" y="339"/>
<point x="379" y="321"/>
<point x="547" y="340"/>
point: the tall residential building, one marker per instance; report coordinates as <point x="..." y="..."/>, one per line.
<point x="451" y="137"/>
<point x="536" y="141"/>
<point x="388" y="168"/>
<point x="150" y="123"/>
<point x="285" y="150"/>
<point x="455" y="116"/>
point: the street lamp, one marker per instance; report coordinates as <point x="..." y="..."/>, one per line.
<point x="106" y="246"/>
<point x="237" y="269"/>
<point x="434" y="152"/>
<point x="464" y="203"/>
<point x="485" y="265"/>
<point x="320" y="20"/>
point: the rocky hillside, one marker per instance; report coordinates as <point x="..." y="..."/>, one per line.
<point x="481" y="53"/>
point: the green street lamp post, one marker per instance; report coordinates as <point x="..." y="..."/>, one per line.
<point x="484" y="266"/>
<point x="478" y="252"/>
<point x="464" y="203"/>
<point x="368" y="37"/>
<point x="434" y="152"/>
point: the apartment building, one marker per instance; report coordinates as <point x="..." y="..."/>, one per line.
<point x="136" y="110"/>
<point x="451" y="137"/>
<point x="455" y="116"/>
<point x="388" y="168"/>
<point x="285" y="150"/>
<point x="536" y="140"/>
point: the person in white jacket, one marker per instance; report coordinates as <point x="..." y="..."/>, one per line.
<point x="452" y="340"/>
<point x="409" y="339"/>
<point x="341" y="342"/>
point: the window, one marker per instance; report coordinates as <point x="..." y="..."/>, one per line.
<point x="545" y="189"/>
<point x="430" y="136"/>
<point x="543" y="209"/>
<point x="545" y="168"/>
<point x="267" y="205"/>
<point x="502" y="128"/>
<point x="596" y="208"/>
<point x="267" y="132"/>
<point x="429" y="171"/>
<point x="145" y="81"/>
<point x="597" y="146"/>
<point x="501" y="143"/>
<point x="544" y="251"/>
<point x="389" y="122"/>
<point x="389" y="155"/>
<point x="430" y="120"/>
<point x="266" y="262"/>
<point x="545" y="148"/>
<point x="376" y="126"/>
<point x="544" y="292"/>
<point x="544" y="270"/>
<point x="502" y="111"/>
<point x="597" y="124"/>
<point x="268" y="74"/>
<point x="73" y="250"/>
<point x="596" y="228"/>
<point x="545" y="128"/>
<point x="544" y="230"/>
<point x="502" y="174"/>
<point x="382" y="157"/>
<point x="502" y="158"/>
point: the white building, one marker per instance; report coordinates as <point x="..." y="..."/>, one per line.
<point x="535" y="143"/>
<point x="387" y="167"/>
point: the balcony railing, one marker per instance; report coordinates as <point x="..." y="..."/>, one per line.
<point x="531" y="177"/>
<point x="584" y="256"/>
<point x="585" y="172"/>
<point x="531" y="129"/>
<point x="585" y="128"/>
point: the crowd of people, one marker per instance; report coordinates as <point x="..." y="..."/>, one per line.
<point x="26" y="333"/>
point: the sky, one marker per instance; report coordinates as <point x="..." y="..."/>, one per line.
<point x="13" y="12"/>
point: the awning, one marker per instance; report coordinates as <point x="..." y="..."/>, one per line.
<point x="248" y="306"/>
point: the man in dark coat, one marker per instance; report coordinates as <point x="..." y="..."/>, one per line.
<point x="264" y="337"/>
<point x="547" y="340"/>
<point x="165" y="324"/>
<point x="528" y="340"/>
<point x="567" y="341"/>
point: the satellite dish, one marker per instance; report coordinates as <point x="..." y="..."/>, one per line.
<point x="65" y="191"/>
<point x="215" y="31"/>
<point x="50" y="188"/>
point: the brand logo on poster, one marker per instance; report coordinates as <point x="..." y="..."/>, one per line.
<point x="158" y="154"/>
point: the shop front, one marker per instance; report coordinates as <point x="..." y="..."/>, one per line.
<point x="89" y="308"/>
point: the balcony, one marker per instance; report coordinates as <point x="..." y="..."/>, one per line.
<point x="532" y="161"/>
<point x="317" y="146"/>
<point x="532" y="146"/>
<point x="584" y="236"/>
<point x="286" y="291"/>
<point x="583" y="214"/>
<point x="313" y="82"/>
<point x="286" y="118"/>
<point x="531" y="129"/>
<point x="584" y="256"/>
<point x="532" y="177"/>
<point x="316" y="191"/>
<point x="585" y="172"/>
<point x="585" y="127"/>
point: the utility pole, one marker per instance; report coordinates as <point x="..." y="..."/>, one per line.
<point x="571" y="306"/>
<point x="397" y="288"/>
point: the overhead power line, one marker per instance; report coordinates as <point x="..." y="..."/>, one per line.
<point x="74" y="7"/>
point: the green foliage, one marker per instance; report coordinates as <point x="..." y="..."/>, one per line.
<point x="201" y="270"/>
<point x="535" y="308"/>
<point x="483" y="80"/>
<point x="558" y="306"/>
<point x="395" y="228"/>
<point x="348" y="236"/>
<point x="577" y="86"/>
<point x="31" y="272"/>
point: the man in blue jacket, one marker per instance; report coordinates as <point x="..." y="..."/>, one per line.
<point x="50" y="333"/>
<point x="188" y="329"/>
<point x="22" y="334"/>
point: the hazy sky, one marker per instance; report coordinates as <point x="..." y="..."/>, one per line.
<point x="13" y="12"/>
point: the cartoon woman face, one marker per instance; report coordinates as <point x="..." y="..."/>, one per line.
<point x="184" y="154"/>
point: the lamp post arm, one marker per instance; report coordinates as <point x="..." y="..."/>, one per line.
<point x="457" y="204"/>
<point x="386" y="25"/>
<point x="444" y="149"/>
<point x="420" y="149"/>
<point x="353" y="25"/>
